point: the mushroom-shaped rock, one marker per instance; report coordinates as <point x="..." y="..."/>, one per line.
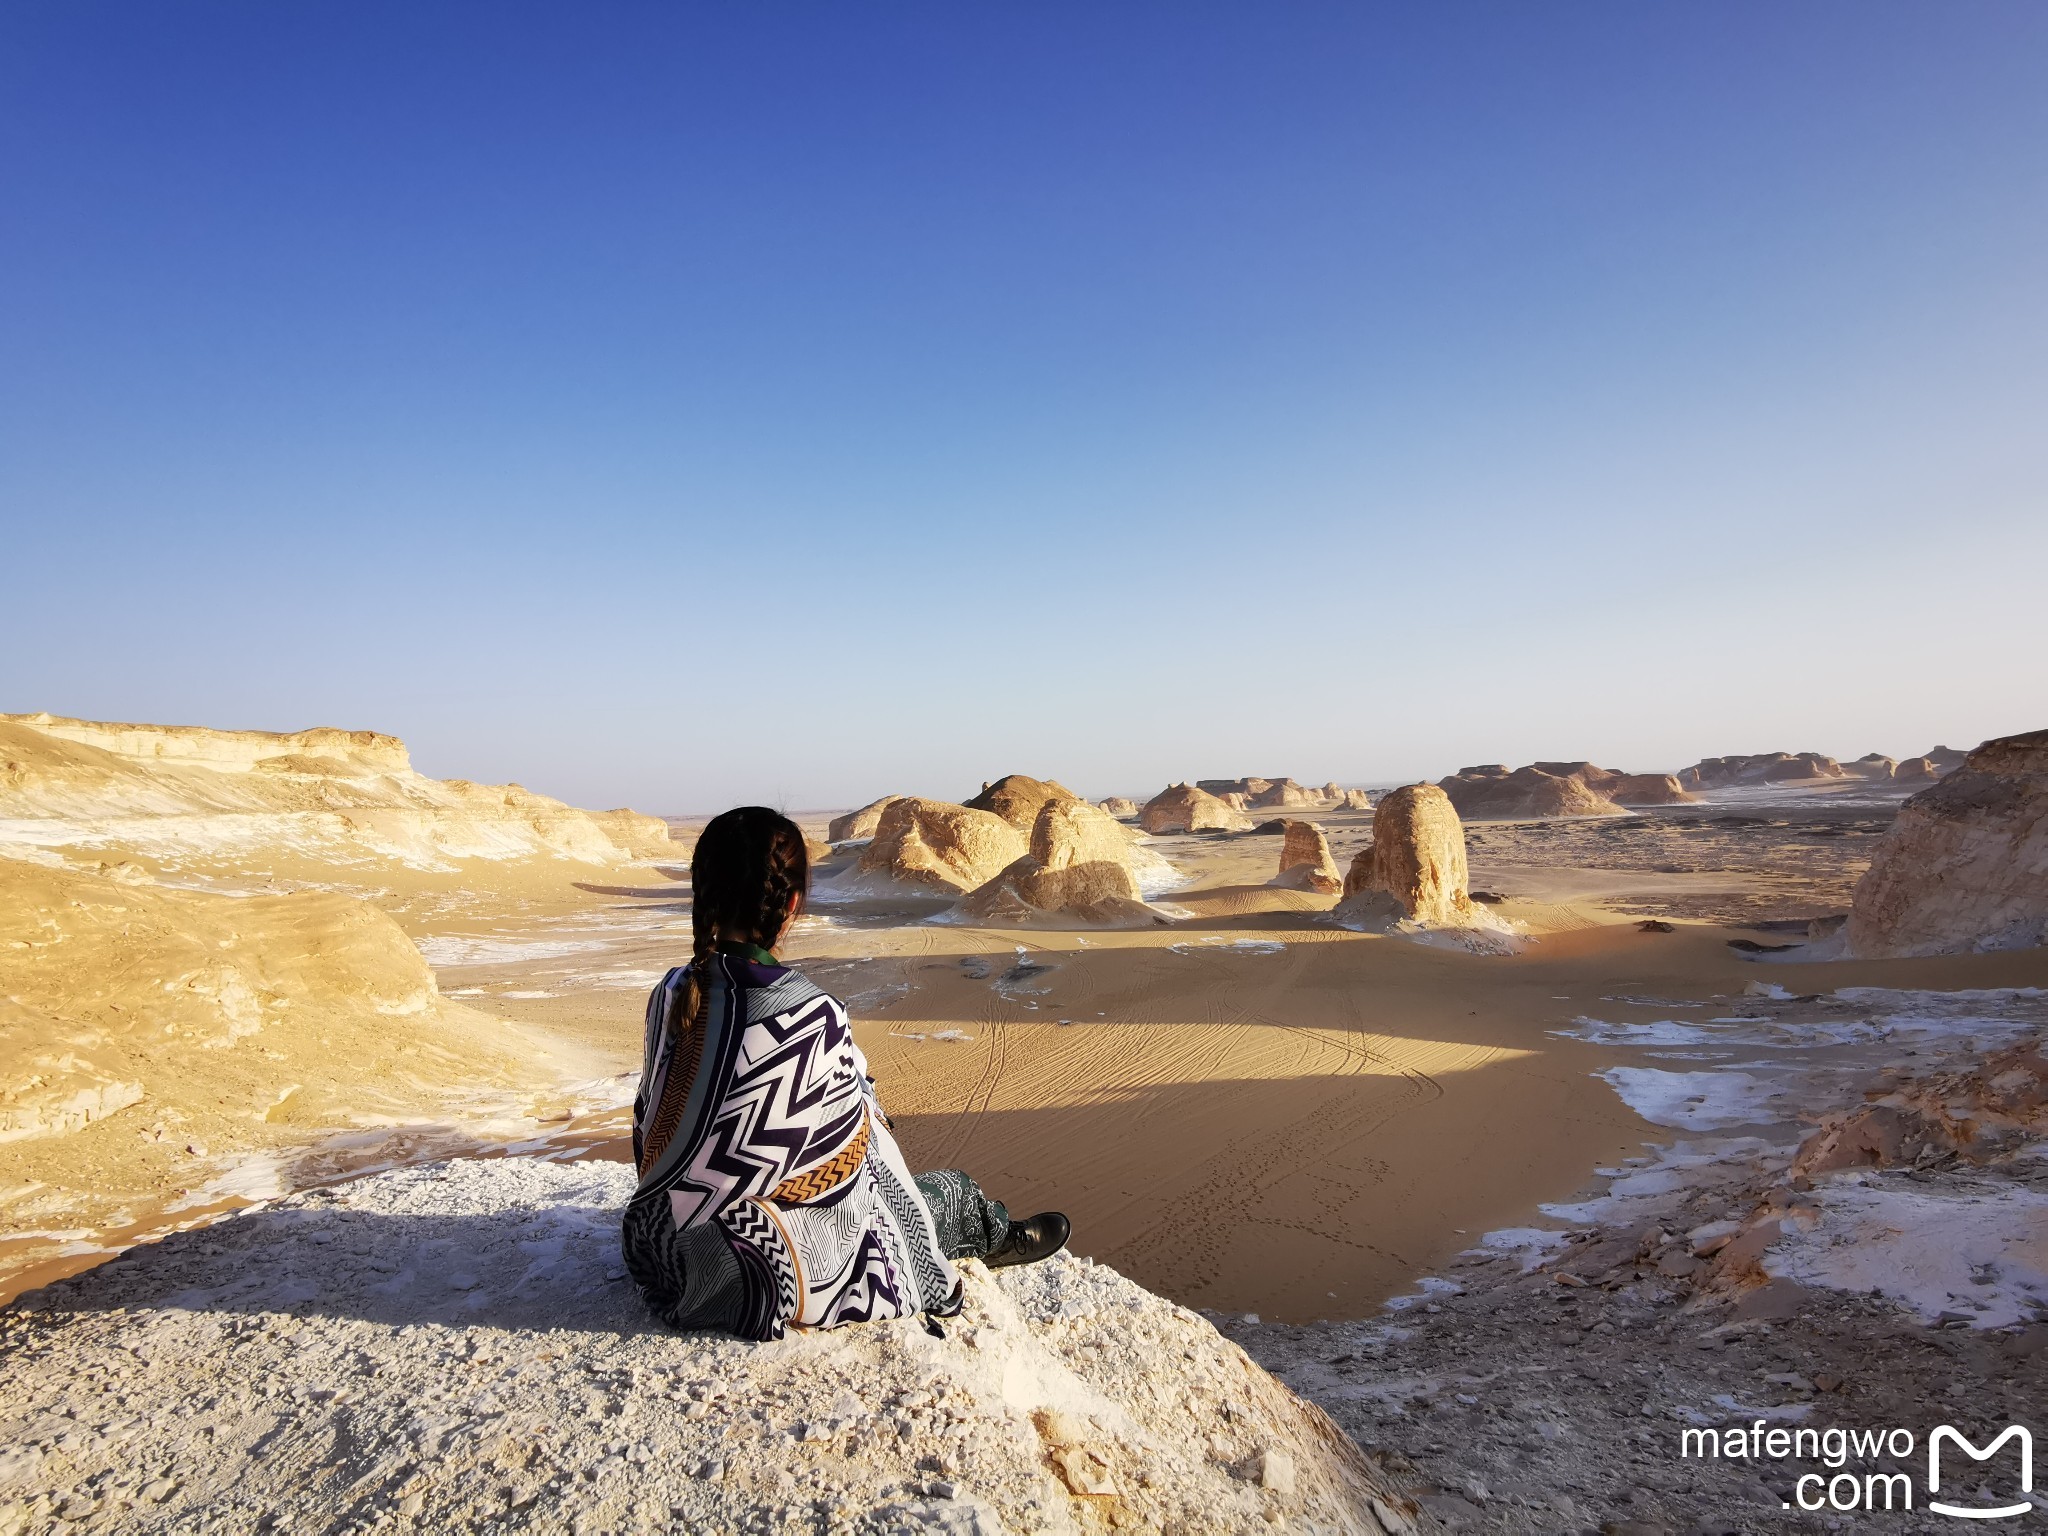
<point x="1965" y="866"/>
<point x="1184" y="808"/>
<point x="1415" y="868"/>
<point x="1079" y="866"/>
<point x="1305" y="861"/>
<point x="1118" y="806"/>
<point x="1017" y="798"/>
<point x="940" y="846"/>
<point x="855" y="825"/>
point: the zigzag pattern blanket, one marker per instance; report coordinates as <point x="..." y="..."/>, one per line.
<point x="765" y="1123"/>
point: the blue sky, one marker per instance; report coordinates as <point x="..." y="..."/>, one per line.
<point x="681" y="404"/>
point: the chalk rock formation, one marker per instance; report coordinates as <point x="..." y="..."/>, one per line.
<point x="1064" y="1397"/>
<point x="1965" y="865"/>
<point x="243" y="797"/>
<point x="1489" y="794"/>
<point x="1184" y="808"/>
<point x="146" y="1032"/>
<point x="1415" y="866"/>
<point x="1119" y="807"/>
<point x="1305" y="861"/>
<point x="856" y="825"/>
<point x="1079" y="866"/>
<point x="1355" y="800"/>
<point x="1018" y="798"/>
<point x="940" y="847"/>
<point x="1916" y="770"/>
<point x="1874" y="766"/>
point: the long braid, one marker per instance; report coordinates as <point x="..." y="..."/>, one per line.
<point x="749" y="874"/>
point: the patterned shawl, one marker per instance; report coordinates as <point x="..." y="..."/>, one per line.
<point x="765" y="1123"/>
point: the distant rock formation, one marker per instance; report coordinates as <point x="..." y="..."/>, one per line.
<point x="1965" y="866"/>
<point x="1760" y="768"/>
<point x="352" y="797"/>
<point x="1222" y="789"/>
<point x="1018" y="798"/>
<point x="1414" y="868"/>
<point x="1305" y="861"/>
<point x="1355" y="800"/>
<point x="1119" y="807"/>
<point x="1493" y="793"/>
<point x="1184" y="808"/>
<point x="1079" y="866"/>
<point x="1813" y="767"/>
<point x="941" y="847"/>
<point x="1286" y="795"/>
<point x="855" y="825"/>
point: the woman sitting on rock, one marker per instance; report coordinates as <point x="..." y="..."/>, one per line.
<point x="771" y="1192"/>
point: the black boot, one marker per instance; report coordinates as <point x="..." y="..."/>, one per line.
<point x="1039" y="1237"/>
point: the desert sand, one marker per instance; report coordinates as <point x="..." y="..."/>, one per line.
<point x="1245" y="1106"/>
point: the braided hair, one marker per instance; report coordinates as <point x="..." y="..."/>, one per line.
<point x="749" y="875"/>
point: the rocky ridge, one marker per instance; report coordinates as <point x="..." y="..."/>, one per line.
<point x="341" y="797"/>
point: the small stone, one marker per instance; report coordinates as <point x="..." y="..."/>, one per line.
<point x="1275" y="1471"/>
<point x="159" y="1490"/>
<point x="412" y="1503"/>
<point x="712" y="1472"/>
<point x="1084" y="1470"/>
<point x="462" y="1280"/>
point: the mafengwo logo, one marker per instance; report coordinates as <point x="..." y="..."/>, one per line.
<point x="1864" y="1469"/>
<point x="1946" y="1435"/>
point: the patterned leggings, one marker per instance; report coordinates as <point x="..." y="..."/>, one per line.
<point x="969" y="1224"/>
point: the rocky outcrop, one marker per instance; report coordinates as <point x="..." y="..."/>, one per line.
<point x="1981" y="1114"/>
<point x="1184" y="808"/>
<point x="1965" y="865"/>
<point x="1414" y="869"/>
<point x="1874" y="766"/>
<point x="1355" y="800"/>
<point x="1078" y="867"/>
<point x="446" y="1382"/>
<point x="1485" y="794"/>
<point x="253" y="797"/>
<point x="1119" y="807"/>
<point x="855" y="826"/>
<point x="1018" y="798"/>
<point x="1305" y="861"/>
<point x="939" y="847"/>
